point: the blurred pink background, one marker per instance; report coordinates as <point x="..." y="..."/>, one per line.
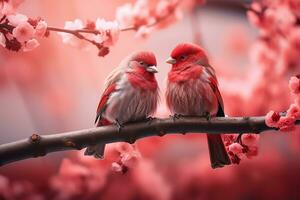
<point x="56" y="88"/>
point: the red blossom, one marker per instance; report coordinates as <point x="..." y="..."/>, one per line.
<point x="294" y="111"/>
<point x="286" y="123"/>
<point x="236" y="148"/>
<point x="250" y="139"/>
<point x="294" y="85"/>
<point x="103" y="51"/>
<point x="272" y="119"/>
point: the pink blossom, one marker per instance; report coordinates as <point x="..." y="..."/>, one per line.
<point x="294" y="111"/>
<point x="294" y="6"/>
<point x="68" y="168"/>
<point x="141" y="11"/>
<point x="294" y="84"/>
<point x="286" y="123"/>
<point x="17" y="19"/>
<point x="116" y="167"/>
<point x="282" y="18"/>
<point x="31" y="44"/>
<point x="124" y="15"/>
<point x="6" y="8"/>
<point x="23" y="32"/>
<point x="163" y="8"/>
<point x="297" y="100"/>
<point x="252" y="152"/>
<point x="143" y="32"/>
<point x="71" y="39"/>
<point x="41" y="29"/>
<point x="145" y="175"/>
<point x="134" y="15"/>
<point x="129" y="155"/>
<point x="15" y="3"/>
<point x="109" y="31"/>
<point x="9" y="7"/>
<point x="253" y="17"/>
<point x="272" y="119"/>
<point x="130" y="159"/>
<point x="69" y="181"/>
<point x="236" y="148"/>
<point x="250" y="139"/>
<point x="17" y="189"/>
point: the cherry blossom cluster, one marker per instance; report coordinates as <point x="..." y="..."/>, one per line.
<point x="278" y="23"/>
<point x="127" y="156"/>
<point x="88" y="178"/>
<point x="144" y="17"/>
<point x="141" y="17"/>
<point x="18" y="190"/>
<point x="274" y="56"/>
<point x="287" y="122"/>
<point x="17" y="31"/>
<point x="100" y="33"/>
<point x="241" y="146"/>
<point x="8" y="7"/>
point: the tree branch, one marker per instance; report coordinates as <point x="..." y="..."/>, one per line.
<point x="37" y="145"/>
<point x="79" y="32"/>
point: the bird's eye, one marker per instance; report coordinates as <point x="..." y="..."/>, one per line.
<point x="183" y="57"/>
<point x="142" y="63"/>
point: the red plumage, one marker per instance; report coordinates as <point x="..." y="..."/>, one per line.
<point x="131" y="94"/>
<point x="193" y="90"/>
<point x="103" y="101"/>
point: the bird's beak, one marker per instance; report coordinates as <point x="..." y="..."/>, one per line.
<point x="152" y="69"/>
<point x="171" y="60"/>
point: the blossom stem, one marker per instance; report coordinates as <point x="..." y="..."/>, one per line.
<point x="38" y="145"/>
<point x="93" y="31"/>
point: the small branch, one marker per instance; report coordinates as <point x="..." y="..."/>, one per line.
<point x="78" y="33"/>
<point x="37" y="145"/>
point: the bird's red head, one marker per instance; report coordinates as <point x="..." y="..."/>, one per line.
<point x="142" y="66"/>
<point x="186" y="53"/>
<point x="143" y="62"/>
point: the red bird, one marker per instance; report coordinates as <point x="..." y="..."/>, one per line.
<point x="131" y="94"/>
<point x="193" y="91"/>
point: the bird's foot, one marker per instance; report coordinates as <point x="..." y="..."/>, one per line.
<point x="176" y="116"/>
<point x="207" y="116"/>
<point x="119" y="125"/>
<point x="149" y="120"/>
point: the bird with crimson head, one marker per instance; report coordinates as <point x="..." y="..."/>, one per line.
<point x="192" y="90"/>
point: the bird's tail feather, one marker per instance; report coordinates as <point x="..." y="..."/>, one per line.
<point x="97" y="150"/>
<point x="217" y="151"/>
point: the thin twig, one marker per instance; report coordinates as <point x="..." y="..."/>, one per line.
<point x="95" y="32"/>
<point x="37" y="145"/>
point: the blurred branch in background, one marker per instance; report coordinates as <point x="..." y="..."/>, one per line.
<point x="235" y="5"/>
<point x="38" y="145"/>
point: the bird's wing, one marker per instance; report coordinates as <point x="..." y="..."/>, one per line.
<point x="212" y="79"/>
<point x="111" y="86"/>
<point x="118" y="72"/>
<point x="103" y="101"/>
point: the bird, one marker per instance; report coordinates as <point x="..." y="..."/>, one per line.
<point x="192" y="90"/>
<point x="131" y="94"/>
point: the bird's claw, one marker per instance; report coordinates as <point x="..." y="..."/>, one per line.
<point x="207" y="116"/>
<point x="175" y="116"/>
<point x="149" y="120"/>
<point x="119" y="125"/>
